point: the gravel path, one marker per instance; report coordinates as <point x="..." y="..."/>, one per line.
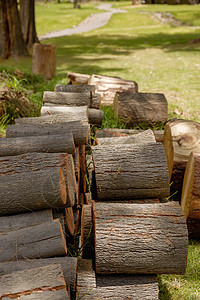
<point x="90" y="23"/>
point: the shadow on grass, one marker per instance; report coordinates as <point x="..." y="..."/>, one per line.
<point x="164" y="293"/>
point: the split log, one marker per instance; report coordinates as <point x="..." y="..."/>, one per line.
<point x="69" y="220"/>
<point x="76" y="157"/>
<point x="42" y="144"/>
<point x="68" y="264"/>
<point x="30" y="191"/>
<point x="77" y="128"/>
<point x="76" y="220"/>
<point x="144" y="137"/>
<point x="83" y="181"/>
<point x="68" y="88"/>
<point x="19" y="221"/>
<point x="44" y="60"/>
<point x="107" y="87"/>
<point x="87" y="248"/>
<point x="77" y="78"/>
<point x="116" y="132"/>
<point x="95" y="116"/>
<point x="32" y="281"/>
<point x="136" y="108"/>
<point x="47" y="295"/>
<point x="131" y="171"/>
<point x="39" y="241"/>
<point x="190" y="199"/>
<point x="88" y="198"/>
<point x="181" y="137"/>
<point x="86" y="279"/>
<point x="140" y="239"/>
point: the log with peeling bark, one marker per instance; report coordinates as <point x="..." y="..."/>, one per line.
<point x="131" y="171"/>
<point x="71" y="99"/>
<point x="140" y="238"/>
<point x="77" y="128"/>
<point x="181" y="137"/>
<point x="87" y="248"/>
<point x="68" y="264"/>
<point x="9" y="223"/>
<point x="42" y="144"/>
<point x="107" y="87"/>
<point x="116" y="132"/>
<point x="69" y="220"/>
<point x="77" y="78"/>
<point x="29" y="191"/>
<point x="33" y="281"/>
<point x="190" y="199"/>
<point x="38" y="241"/>
<point x="136" y="108"/>
<point x="68" y="88"/>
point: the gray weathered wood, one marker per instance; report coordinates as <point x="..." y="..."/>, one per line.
<point x="69" y="88"/>
<point x="140" y="238"/>
<point x="39" y="241"/>
<point x="95" y="116"/>
<point x="77" y="128"/>
<point x="131" y="171"/>
<point x="87" y="247"/>
<point x="30" y="191"/>
<point x="86" y="279"/>
<point x="42" y="144"/>
<point x="136" y="108"/>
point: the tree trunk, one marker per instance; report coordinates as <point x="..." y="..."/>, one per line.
<point x="32" y="191"/>
<point x="77" y="128"/>
<point x="14" y="44"/>
<point x="77" y="78"/>
<point x="39" y="241"/>
<point x="107" y="87"/>
<point x="44" y="60"/>
<point x="1" y="32"/>
<point x="32" y="282"/>
<point x="19" y="221"/>
<point x="140" y="238"/>
<point x="87" y="248"/>
<point x="27" y="15"/>
<point x="43" y="144"/>
<point x="130" y="172"/>
<point x="81" y="88"/>
<point x="136" y="108"/>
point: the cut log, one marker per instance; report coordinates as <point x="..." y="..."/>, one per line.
<point x="77" y="78"/>
<point x="181" y="137"/>
<point x="87" y="248"/>
<point x="77" y="128"/>
<point x="19" y="221"/>
<point x="44" y="60"/>
<point x="68" y="264"/>
<point x="140" y="238"/>
<point x="69" y="220"/>
<point x="47" y="295"/>
<point x="33" y="281"/>
<point x="86" y="279"/>
<point x="30" y="191"/>
<point x="95" y="116"/>
<point x="81" y="88"/>
<point x="77" y="164"/>
<point x="190" y="199"/>
<point x="144" y="137"/>
<point x="39" y="241"/>
<point x="83" y="181"/>
<point x="116" y="132"/>
<point x="107" y="87"/>
<point x="88" y="198"/>
<point x="42" y="144"/>
<point x="131" y="171"/>
<point x="136" y="108"/>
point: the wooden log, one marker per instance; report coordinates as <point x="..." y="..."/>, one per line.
<point x="42" y="144"/>
<point x="193" y="228"/>
<point x="190" y="199"/>
<point x="44" y="60"/>
<point x="77" y="128"/>
<point x="77" y="164"/>
<point x="83" y="182"/>
<point x="39" y="241"/>
<point x="87" y="247"/>
<point x="107" y="87"/>
<point x="131" y="171"/>
<point x="136" y="108"/>
<point x="9" y="223"/>
<point x="89" y="170"/>
<point x="69" y="220"/>
<point x="30" y="191"/>
<point x="88" y="198"/>
<point x="32" y="281"/>
<point x="181" y="137"/>
<point x="144" y="137"/>
<point x="116" y="132"/>
<point x="47" y="295"/>
<point x="95" y="116"/>
<point x="68" y="264"/>
<point x="86" y="279"/>
<point x="77" y="78"/>
<point x="81" y="88"/>
<point x="140" y="239"/>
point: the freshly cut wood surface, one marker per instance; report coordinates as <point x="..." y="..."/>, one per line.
<point x="140" y="238"/>
<point x="136" y="108"/>
<point x="77" y="128"/>
<point x="32" y="281"/>
<point x="9" y="223"/>
<point x="69" y="220"/>
<point x="131" y="171"/>
<point x="87" y="246"/>
<point x="39" y="241"/>
<point x="107" y="87"/>
<point x="95" y="116"/>
<point x="78" y="78"/>
<point x="69" y="88"/>
<point x="68" y="264"/>
<point x="42" y="144"/>
<point x="47" y="295"/>
<point x="190" y="199"/>
<point x="29" y="191"/>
